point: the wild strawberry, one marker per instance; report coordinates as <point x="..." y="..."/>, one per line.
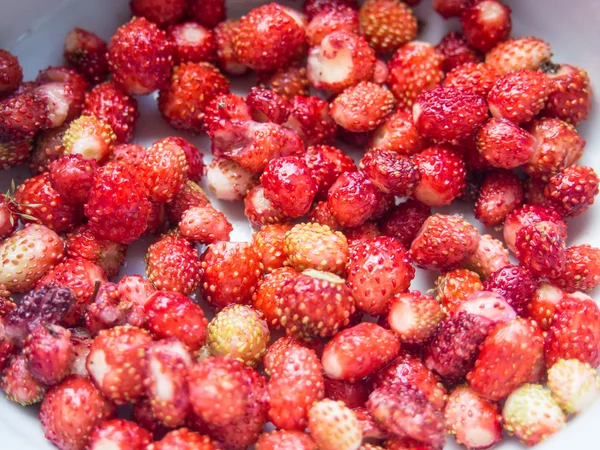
<point x="72" y="176"/>
<point x="574" y="331"/>
<point x="63" y="102"/>
<point x="456" y="50"/>
<point x="310" y="119"/>
<point x="313" y="7"/>
<point x="557" y="145"/>
<point x="530" y="215"/>
<point x="267" y="106"/>
<point x="387" y="25"/>
<point x="81" y="348"/>
<point x="475" y="421"/>
<point x="486" y="23"/>
<point x="353" y="199"/>
<point x="288" y="81"/>
<point x="444" y="242"/>
<point x="342" y="59"/>
<point x="357" y="352"/>
<point x="109" y="255"/>
<point x="339" y="18"/>
<point x="209" y="13"/>
<point x="506" y="359"/>
<point x="570" y="94"/>
<point x="490" y="305"/>
<point x="572" y="191"/>
<point x="157" y="221"/>
<point x="313" y="304"/>
<point x="543" y="302"/>
<point x="404" y="410"/>
<point x="321" y="214"/>
<point x="48" y="351"/>
<point x="227" y="180"/>
<point x="285" y="440"/>
<point x="414" y="316"/>
<point x="362" y="233"/>
<point x="455" y="286"/>
<point x="173" y="265"/>
<point x="260" y="210"/>
<point x="398" y="133"/>
<point x="405" y="221"/>
<point x="443" y="175"/>
<point x="143" y="416"/>
<point x="269" y="245"/>
<point x="193" y="43"/>
<point x="22" y="116"/>
<point x="128" y="155"/>
<point x="296" y="383"/>
<point x="106" y="310"/>
<point x="276" y="353"/>
<point x="39" y="202"/>
<point x="524" y="53"/>
<point x="14" y="154"/>
<point x="12" y="72"/>
<point x="353" y="395"/>
<point x="183" y="439"/>
<point x="90" y="137"/>
<point x="327" y="164"/>
<point x="18" y="383"/>
<point x="265" y="299"/>
<point x="378" y="268"/>
<point x="267" y="51"/>
<point x="504" y="144"/>
<point x="290" y="185"/>
<point x="516" y="284"/>
<point x="190" y="196"/>
<point x="581" y="269"/>
<point x="63" y="74"/>
<point x="109" y="352"/>
<point x="415" y="67"/>
<point x="135" y="292"/>
<point x="333" y="425"/>
<point x="240" y="262"/>
<point x="541" y="248"/>
<point x="205" y="224"/>
<point x="120" y="434"/>
<point x="252" y="144"/>
<point x="362" y="107"/>
<point x="451" y="8"/>
<point x="161" y="13"/>
<point x="448" y="114"/>
<point x="532" y="415"/>
<point x="164" y="169"/>
<point x="476" y="78"/>
<point x="314" y="246"/>
<point x="140" y="56"/>
<point x="86" y="53"/>
<point x="224" y="35"/>
<point x="501" y="193"/>
<point x="574" y="385"/>
<point x="114" y="187"/>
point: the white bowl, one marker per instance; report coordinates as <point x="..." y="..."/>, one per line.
<point x="34" y="30"/>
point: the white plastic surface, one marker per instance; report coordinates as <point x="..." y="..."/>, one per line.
<point x="35" y="29"/>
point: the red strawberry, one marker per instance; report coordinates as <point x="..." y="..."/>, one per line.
<point x="378" y="268"/>
<point x="193" y="43"/>
<point x="109" y="352"/>
<point x="39" y="202"/>
<point x="543" y="302"/>
<point x="572" y="191"/>
<point x="173" y="265"/>
<point x="267" y="106"/>
<point x="312" y="7"/>
<point x="290" y="185"/>
<point x="414" y="316"/>
<point x="121" y="435"/>
<point x="207" y="12"/>
<point x="486" y="23"/>
<point x="574" y="331"/>
<point x="404" y="410"/>
<point x="443" y="175"/>
<point x="296" y="383"/>
<point x="49" y="353"/>
<point x="315" y="246"/>
<point x="19" y="384"/>
<point x="343" y="59"/>
<point x="135" y="292"/>
<point x="474" y="421"/>
<point x="327" y="164"/>
<point x="224" y="35"/>
<point x="227" y="180"/>
<point x="164" y="169"/>
<point x="62" y="74"/>
<point x="516" y="284"/>
<point x="269" y="245"/>
<point x="183" y="439"/>
<point x="205" y="224"/>
<point x="476" y="78"/>
<point x="519" y="53"/>
<point x="333" y="425"/>
<point x="66" y="423"/>
<point x="106" y="310"/>
<point x="530" y="215"/>
<point x="120" y="111"/>
<point x="557" y="145"/>
<point x="353" y="395"/>
<point x="387" y="24"/>
<point x="285" y="440"/>
<point x="12" y="72"/>
<point x="415" y="67"/>
<point x="260" y="210"/>
<point x="490" y="305"/>
<point x="86" y="52"/>
<point x="570" y="94"/>
<point x="451" y="8"/>
<point x="357" y="352"/>
<point x="398" y="134"/>
<point x="288" y="81"/>
<point x="444" y="242"/>
<point x="63" y="102"/>
<point x="168" y="361"/>
<point x="501" y="193"/>
<point x="504" y="144"/>
<point x="72" y="176"/>
<point x="362" y="107"/>
<point x="107" y="254"/>
<point x="457" y="53"/>
<point x="276" y="353"/>
<point x="268" y="51"/>
<point x="405" y="221"/>
<point x="113" y="188"/>
<point x="159" y="12"/>
<point x="581" y="271"/>
<point x="128" y="155"/>
<point x="506" y="358"/>
<point x="240" y="262"/>
<point x="22" y="116"/>
<point x="222" y="109"/>
<point x="358" y="235"/>
<point x="541" y="248"/>
<point x="265" y="299"/>
<point x="190" y="196"/>
<point x="14" y="154"/>
<point x="339" y="18"/>
<point x="140" y="57"/>
<point x="90" y="137"/>
<point x="353" y="199"/>
<point x="310" y="119"/>
<point x="454" y="286"/>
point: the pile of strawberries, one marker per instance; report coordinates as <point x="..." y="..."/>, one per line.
<point x="480" y="118"/>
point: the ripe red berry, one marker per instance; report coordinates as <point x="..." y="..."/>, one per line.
<point x="570" y="94"/>
<point x="457" y="52"/>
<point x="486" y="23"/>
<point x="501" y="193"/>
<point x="341" y="18"/>
<point x="451" y="8"/>
<point x="72" y="176"/>
<point x="398" y="133"/>
<point x="193" y="43"/>
<point x="541" y="248"/>
<point x="572" y="191"/>
<point x="405" y="221"/>
<point x="310" y="119"/>
<point x="160" y="12"/>
<point x="504" y="144"/>
<point x="90" y="137"/>
<point x="260" y="210"/>
<point x="527" y="53"/>
<point x="86" y="52"/>
<point x="353" y="199"/>
<point x="387" y="24"/>
<point x="121" y="434"/>
<point x="209" y="13"/>
<point x="224" y="35"/>
<point x="530" y="215"/>
<point x="414" y="316"/>
<point x="313" y="7"/>
<point x="22" y="116"/>
<point x="12" y="72"/>
<point x="581" y="271"/>
<point x="476" y="78"/>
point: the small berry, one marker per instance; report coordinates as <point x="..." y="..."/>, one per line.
<point x="476" y="78"/>
<point x="541" y="248"/>
<point x="334" y="426"/>
<point x="260" y="210"/>
<point x="574" y="385"/>
<point x="570" y="94"/>
<point x="390" y="171"/>
<point x="121" y="435"/>
<point x="455" y="286"/>
<point x="457" y="53"/>
<point x="327" y="164"/>
<point x="353" y="199"/>
<point x="486" y="23"/>
<point x="227" y="180"/>
<point x="205" y="224"/>
<point x="224" y="35"/>
<point x="310" y="119"/>
<point x="12" y="72"/>
<point x="414" y="316"/>
<point x="18" y="383"/>
<point x="264" y="300"/>
<point x="398" y="133"/>
<point x="387" y="24"/>
<point x="340" y="18"/>
<point x="530" y="215"/>
<point x="524" y="53"/>
<point x="516" y="284"/>
<point x="159" y="12"/>
<point x="572" y="191"/>
<point x="49" y="353"/>
<point x="405" y="220"/>
<point x="501" y="193"/>
<point x="90" y="137"/>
